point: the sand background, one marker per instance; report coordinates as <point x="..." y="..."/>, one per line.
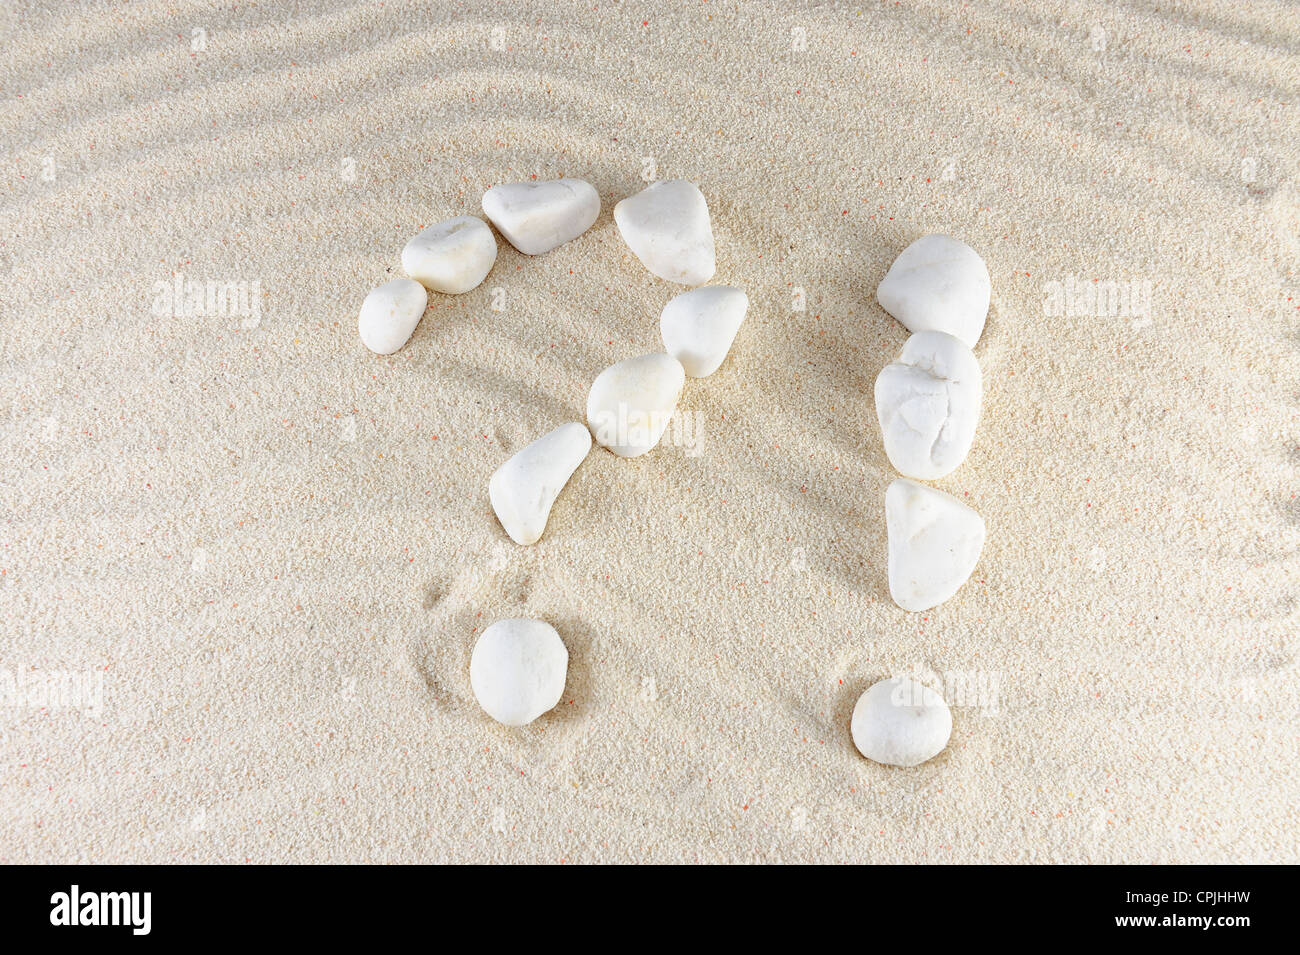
<point x="273" y="550"/>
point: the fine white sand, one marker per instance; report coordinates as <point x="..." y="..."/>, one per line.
<point x="257" y="556"/>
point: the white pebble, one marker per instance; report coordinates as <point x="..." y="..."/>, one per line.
<point x="535" y="217"/>
<point x="389" y="315"/>
<point x="939" y="284"/>
<point x="699" y="326"/>
<point x="631" y="402"/>
<point x="517" y="670"/>
<point x="928" y="403"/>
<point x="934" y="543"/>
<point x="667" y="226"/>
<point x="453" y="256"/>
<point x="900" y="722"/>
<point x="523" y="489"/>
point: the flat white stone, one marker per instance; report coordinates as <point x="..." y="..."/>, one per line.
<point x="934" y="542"/>
<point x="631" y="402"/>
<point x="389" y="315"/>
<point x="451" y="257"/>
<point x="667" y="226"/>
<point x="699" y="326"/>
<point x="517" y="670"/>
<point x="523" y="489"/>
<point x="900" y="722"/>
<point x="535" y="217"/>
<point x="928" y="403"/>
<point x="939" y="284"/>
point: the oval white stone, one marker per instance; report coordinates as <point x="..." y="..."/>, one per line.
<point x="928" y="403"/>
<point x="667" y="226"/>
<point x="934" y="543"/>
<point x="535" y="217"/>
<point x="900" y="722"/>
<point x="940" y="284"/>
<point x="453" y="256"/>
<point x="699" y="326"/>
<point x="523" y="489"/>
<point x="389" y="315"/>
<point x="517" y="670"/>
<point x="631" y="402"/>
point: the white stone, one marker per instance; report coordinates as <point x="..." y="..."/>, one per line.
<point x="631" y="402"/>
<point x="453" y="256"/>
<point x="939" y="284"/>
<point x="900" y="722"/>
<point x="517" y="670"/>
<point x="389" y="315"/>
<point x="934" y="542"/>
<point x="523" y="489"/>
<point x="928" y="403"/>
<point x="535" y="217"/>
<point x="667" y="226"/>
<point x="699" y="326"/>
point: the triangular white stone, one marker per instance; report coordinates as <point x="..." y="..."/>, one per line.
<point x="667" y="226"/>
<point x="451" y="257"/>
<point x="940" y="284"/>
<point x="934" y="543"/>
<point x="535" y="217"/>
<point x="523" y="489"/>
<point x="699" y="326"/>
<point x="928" y="403"/>
<point x="631" y="402"/>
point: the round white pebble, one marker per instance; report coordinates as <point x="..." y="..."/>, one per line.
<point x="389" y="315"/>
<point x="517" y="670"/>
<point x="900" y="722"/>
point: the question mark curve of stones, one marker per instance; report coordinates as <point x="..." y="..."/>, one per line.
<point x="927" y="401"/>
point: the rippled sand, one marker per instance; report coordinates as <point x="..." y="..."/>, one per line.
<point x="252" y="558"/>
